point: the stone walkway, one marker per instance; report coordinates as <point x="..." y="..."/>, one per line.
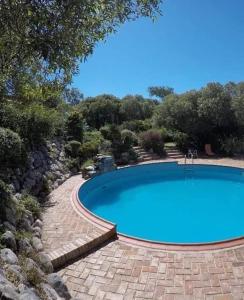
<point x="120" y="271"/>
<point x="62" y="224"/>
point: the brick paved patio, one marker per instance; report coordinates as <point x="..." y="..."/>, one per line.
<point x="120" y="271"/>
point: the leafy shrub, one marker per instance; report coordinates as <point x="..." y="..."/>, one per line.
<point x="89" y="150"/>
<point x="72" y="149"/>
<point x="74" y="126"/>
<point x="38" y="123"/>
<point x="30" y="203"/>
<point x="34" y="123"/>
<point x="232" y="145"/>
<point x="182" y="140"/>
<point x="153" y="140"/>
<point x="73" y="164"/>
<point x="128" y="137"/>
<point x="93" y="136"/>
<point x="87" y="163"/>
<point x="105" y="147"/>
<point x="119" y="143"/>
<point x="11" y="148"/>
<point x="137" y="125"/>
<point x="5" y="195"/>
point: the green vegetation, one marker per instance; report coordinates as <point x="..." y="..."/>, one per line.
<point x="30" y="203"/>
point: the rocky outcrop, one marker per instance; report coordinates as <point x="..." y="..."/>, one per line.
<point x="25" y="270"/>
<point x="45" y="169"/>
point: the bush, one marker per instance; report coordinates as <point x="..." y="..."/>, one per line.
<point x="11" y="148"/>
<point x="73" y="164"/>
<point x="89" y="150"/>
<point x="128" y="137"/>
<point x="74" y="126"/>
<point x="30" y="203"/>
<point x="72" y="149"/>
<point x="153" y="140"/>
<point x="182" y="141"/>
<point x="231" y="145"/>
<point x="137" y="125"/>
<point x="39" y="123"/>
<point x="5" y="196"/>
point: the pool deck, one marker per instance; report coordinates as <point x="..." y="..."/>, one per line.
<point x="118" y="270"/>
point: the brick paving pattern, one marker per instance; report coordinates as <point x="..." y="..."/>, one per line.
<point x="62" y="224"/>
<point x="120" y="271"/>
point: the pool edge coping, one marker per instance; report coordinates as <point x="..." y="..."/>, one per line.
<point x="155" y="245"/>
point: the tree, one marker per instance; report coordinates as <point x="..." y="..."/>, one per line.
<point x="160" y="91"/>
<point x="53" y="35"/>
<point x="72" y="96"/>
<point x="75" y="126"/>
<point x="101" y="110"/>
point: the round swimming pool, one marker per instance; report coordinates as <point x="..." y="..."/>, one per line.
<point x="171" y="203"/>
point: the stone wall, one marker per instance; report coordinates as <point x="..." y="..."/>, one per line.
<point x="46" y="169"/>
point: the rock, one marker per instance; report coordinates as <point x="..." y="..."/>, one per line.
<point x="16" y="185"/>
<point x="17" y="271"/>
<point x="7" y="292"/>
<point x="10" y="214"/>
<point x="8" y="256"/>
<point x="29" y="183"/>
<point x="38" y="159"/>
<point x="29" y="294"/>
<point x="30" y="265"/>
<point x="50" y="293"/>
<point x="24" y="246"/>
<point x="8" y="239"/>
<point x="9" y="226"/>
<point x="29" y="216"/>
<point x="37" y="244"/>
<point x="25" y="224"/>
<point x="45" y="262"/>
<point x="90" y="168"/>
<point x="37" y="231"/>
<point x="58" y="284"/>
<point x="38" y="223"/>
<point x="7" y="289"/>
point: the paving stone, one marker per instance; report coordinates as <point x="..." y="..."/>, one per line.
<point x="122" y="271"/>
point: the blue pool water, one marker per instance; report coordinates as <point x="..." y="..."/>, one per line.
<point x="170" y="203"/>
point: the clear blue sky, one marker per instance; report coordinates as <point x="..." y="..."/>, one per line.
<point x="194" y="42"/>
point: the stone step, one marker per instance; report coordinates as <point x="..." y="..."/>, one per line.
<point x="79" y="247"/>
<point x="176" y="156"/>
<point x="173" y="151"/>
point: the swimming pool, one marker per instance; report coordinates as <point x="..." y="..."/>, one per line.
<point x="170" y="203"/>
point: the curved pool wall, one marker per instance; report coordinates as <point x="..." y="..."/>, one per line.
<point x="100" y="196"/>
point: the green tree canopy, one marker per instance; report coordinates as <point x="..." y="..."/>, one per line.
<point x="49" y="37"/>
<point x="160" y="91"/>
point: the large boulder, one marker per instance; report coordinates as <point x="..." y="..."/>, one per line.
<point x="37" y="244"/>
<point x="8" y="239"/>
<point x="58" y="284"/>
<point x="45" y="262"/>
<point x="8" y="256"/>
